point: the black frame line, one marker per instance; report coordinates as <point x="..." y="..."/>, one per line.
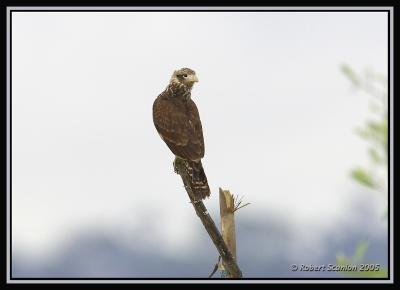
<point x="11" y="11"/>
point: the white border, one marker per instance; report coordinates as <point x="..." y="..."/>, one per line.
<point x="8" y="270"/>
<point x="233" y="8"/>
<point x="391" y="138"/>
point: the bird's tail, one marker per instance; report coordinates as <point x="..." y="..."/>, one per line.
<point x="198" y="179"/>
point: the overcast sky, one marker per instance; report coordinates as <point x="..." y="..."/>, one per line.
<point x="278" y="119"/>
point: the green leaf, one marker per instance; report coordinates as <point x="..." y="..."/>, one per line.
<point x="385" y="214"/>
<point x="361" y="176"/>
<point x="348" y="71"/>
<point x="342" y="260"/>
<point x="381" y="273"/>
<point x="360" y="251"/>
<point x="375" y="156"/>
<point x="378" y="127"/>
<point x="374" y="130"/>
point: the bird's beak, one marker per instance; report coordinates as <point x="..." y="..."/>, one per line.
<point x="193" y="78"/>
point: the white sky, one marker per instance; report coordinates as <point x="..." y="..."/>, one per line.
<point x="278" y="119"/>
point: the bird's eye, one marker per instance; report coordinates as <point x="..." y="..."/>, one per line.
<point x="185" y="75"/>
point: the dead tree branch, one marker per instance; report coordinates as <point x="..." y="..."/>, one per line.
<point x="201" y="211"/>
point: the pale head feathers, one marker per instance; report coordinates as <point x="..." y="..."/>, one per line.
<point x="185" y="76"/>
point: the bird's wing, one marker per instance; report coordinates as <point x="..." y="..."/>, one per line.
<point x="180" y="128"/>
<point x="196" y="137"/>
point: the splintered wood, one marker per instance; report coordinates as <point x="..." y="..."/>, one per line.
<point x="227" y="210"/>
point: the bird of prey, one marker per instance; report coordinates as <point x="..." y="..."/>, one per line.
<point x="177" y="121"/>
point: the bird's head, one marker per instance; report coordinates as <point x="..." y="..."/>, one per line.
<point x="185" y="76"/>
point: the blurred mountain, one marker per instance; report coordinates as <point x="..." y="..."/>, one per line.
<point x="265" y="250"/>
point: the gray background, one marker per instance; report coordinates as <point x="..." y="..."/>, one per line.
<point x="94" y="193"/>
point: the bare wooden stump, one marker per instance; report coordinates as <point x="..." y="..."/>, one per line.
<point x="227" y="210"/>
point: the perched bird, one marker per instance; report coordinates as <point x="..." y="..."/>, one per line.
<point x="177" y="121"/>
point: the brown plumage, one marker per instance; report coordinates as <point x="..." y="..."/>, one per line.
<point x="177" y="121"/>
